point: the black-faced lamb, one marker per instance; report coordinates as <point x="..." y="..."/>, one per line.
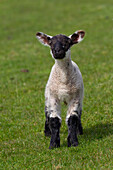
<point x="65" y="84"/>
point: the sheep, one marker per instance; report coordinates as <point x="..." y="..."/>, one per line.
<point x="65" y="84"/>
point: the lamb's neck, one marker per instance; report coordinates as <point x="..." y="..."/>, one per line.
<point x="64" y="64"/>
<point x="64" y="69"/>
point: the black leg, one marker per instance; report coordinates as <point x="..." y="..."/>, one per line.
<point x="55" y="130"/>
<point x="47" y="128"/>
<point x="72" y="131"/>
<point x="80" y="128"/>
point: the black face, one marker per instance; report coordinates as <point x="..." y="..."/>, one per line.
<point x="60" y="45"/>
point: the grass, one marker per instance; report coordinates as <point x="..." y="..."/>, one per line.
<point x="24" y="69"/>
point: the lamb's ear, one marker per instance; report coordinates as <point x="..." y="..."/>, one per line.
<point x="43" y="38"/>
<point x="77" y="37"/>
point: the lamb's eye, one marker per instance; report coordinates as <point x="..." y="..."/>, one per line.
<point x="63" y="46"/>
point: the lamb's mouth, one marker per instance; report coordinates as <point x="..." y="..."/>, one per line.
<point x="59" y="57"/>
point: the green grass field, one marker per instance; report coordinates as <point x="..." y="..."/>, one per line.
<point x="24" y="69"/>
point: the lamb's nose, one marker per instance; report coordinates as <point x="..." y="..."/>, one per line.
<point x="57" y="51"/>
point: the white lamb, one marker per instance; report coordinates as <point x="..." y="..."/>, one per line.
<point x="65" y="84"/>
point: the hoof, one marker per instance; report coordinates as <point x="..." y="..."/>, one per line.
<point x="75" y="144"/>
<point x="72" y="144"/>
<point x="54" y="146"/>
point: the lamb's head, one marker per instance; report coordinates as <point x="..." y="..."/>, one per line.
<point x="60" y="44"/>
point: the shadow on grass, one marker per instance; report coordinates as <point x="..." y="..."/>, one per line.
<point x="96" y="132"/>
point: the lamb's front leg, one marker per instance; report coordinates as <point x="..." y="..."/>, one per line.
<point x="55" y="132"/>
<point x="74" y="123"/>
<point x="53" y="121"/>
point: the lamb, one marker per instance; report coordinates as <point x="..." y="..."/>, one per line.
<point x="65" y="84"/>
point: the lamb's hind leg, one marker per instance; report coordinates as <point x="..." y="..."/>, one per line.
<point x="74" y="123"/>
<point x="47" y="128"/>
<point x="80" y="128"/>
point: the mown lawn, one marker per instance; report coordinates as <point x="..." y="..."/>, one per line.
<point x="24" y="69"/>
